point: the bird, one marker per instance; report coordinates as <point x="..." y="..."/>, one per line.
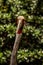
<point x="20" y="23"/>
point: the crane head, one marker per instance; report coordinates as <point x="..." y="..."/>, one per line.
<point x="20" y="18"/>
<point x="20" y="24"/>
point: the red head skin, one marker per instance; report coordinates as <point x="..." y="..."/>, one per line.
<point x="20" y="24"/>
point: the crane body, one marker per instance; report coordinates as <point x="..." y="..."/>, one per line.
<point x="20" y="21"/>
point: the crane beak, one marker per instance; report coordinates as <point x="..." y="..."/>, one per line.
<point x="19" y="25"/>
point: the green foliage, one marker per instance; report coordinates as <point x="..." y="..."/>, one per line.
<point x="2" y="58"/>
<point x="32" y="39"/>
<point x="10" y="29"/>
<point x="4" y="55"/>
<point x="25" y="54"/>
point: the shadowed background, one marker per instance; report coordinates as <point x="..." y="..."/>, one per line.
<point x="31" y="46"/>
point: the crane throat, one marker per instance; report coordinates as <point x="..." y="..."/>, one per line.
<point x="20" y="30"/>
<point x="20" y="27"/>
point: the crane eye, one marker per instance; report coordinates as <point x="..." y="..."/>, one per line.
<point x="23" y="20"/>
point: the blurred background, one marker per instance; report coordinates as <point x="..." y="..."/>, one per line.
<point x="31" y="46"/>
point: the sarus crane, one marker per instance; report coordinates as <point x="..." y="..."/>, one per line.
<point x="20" y="24"/>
